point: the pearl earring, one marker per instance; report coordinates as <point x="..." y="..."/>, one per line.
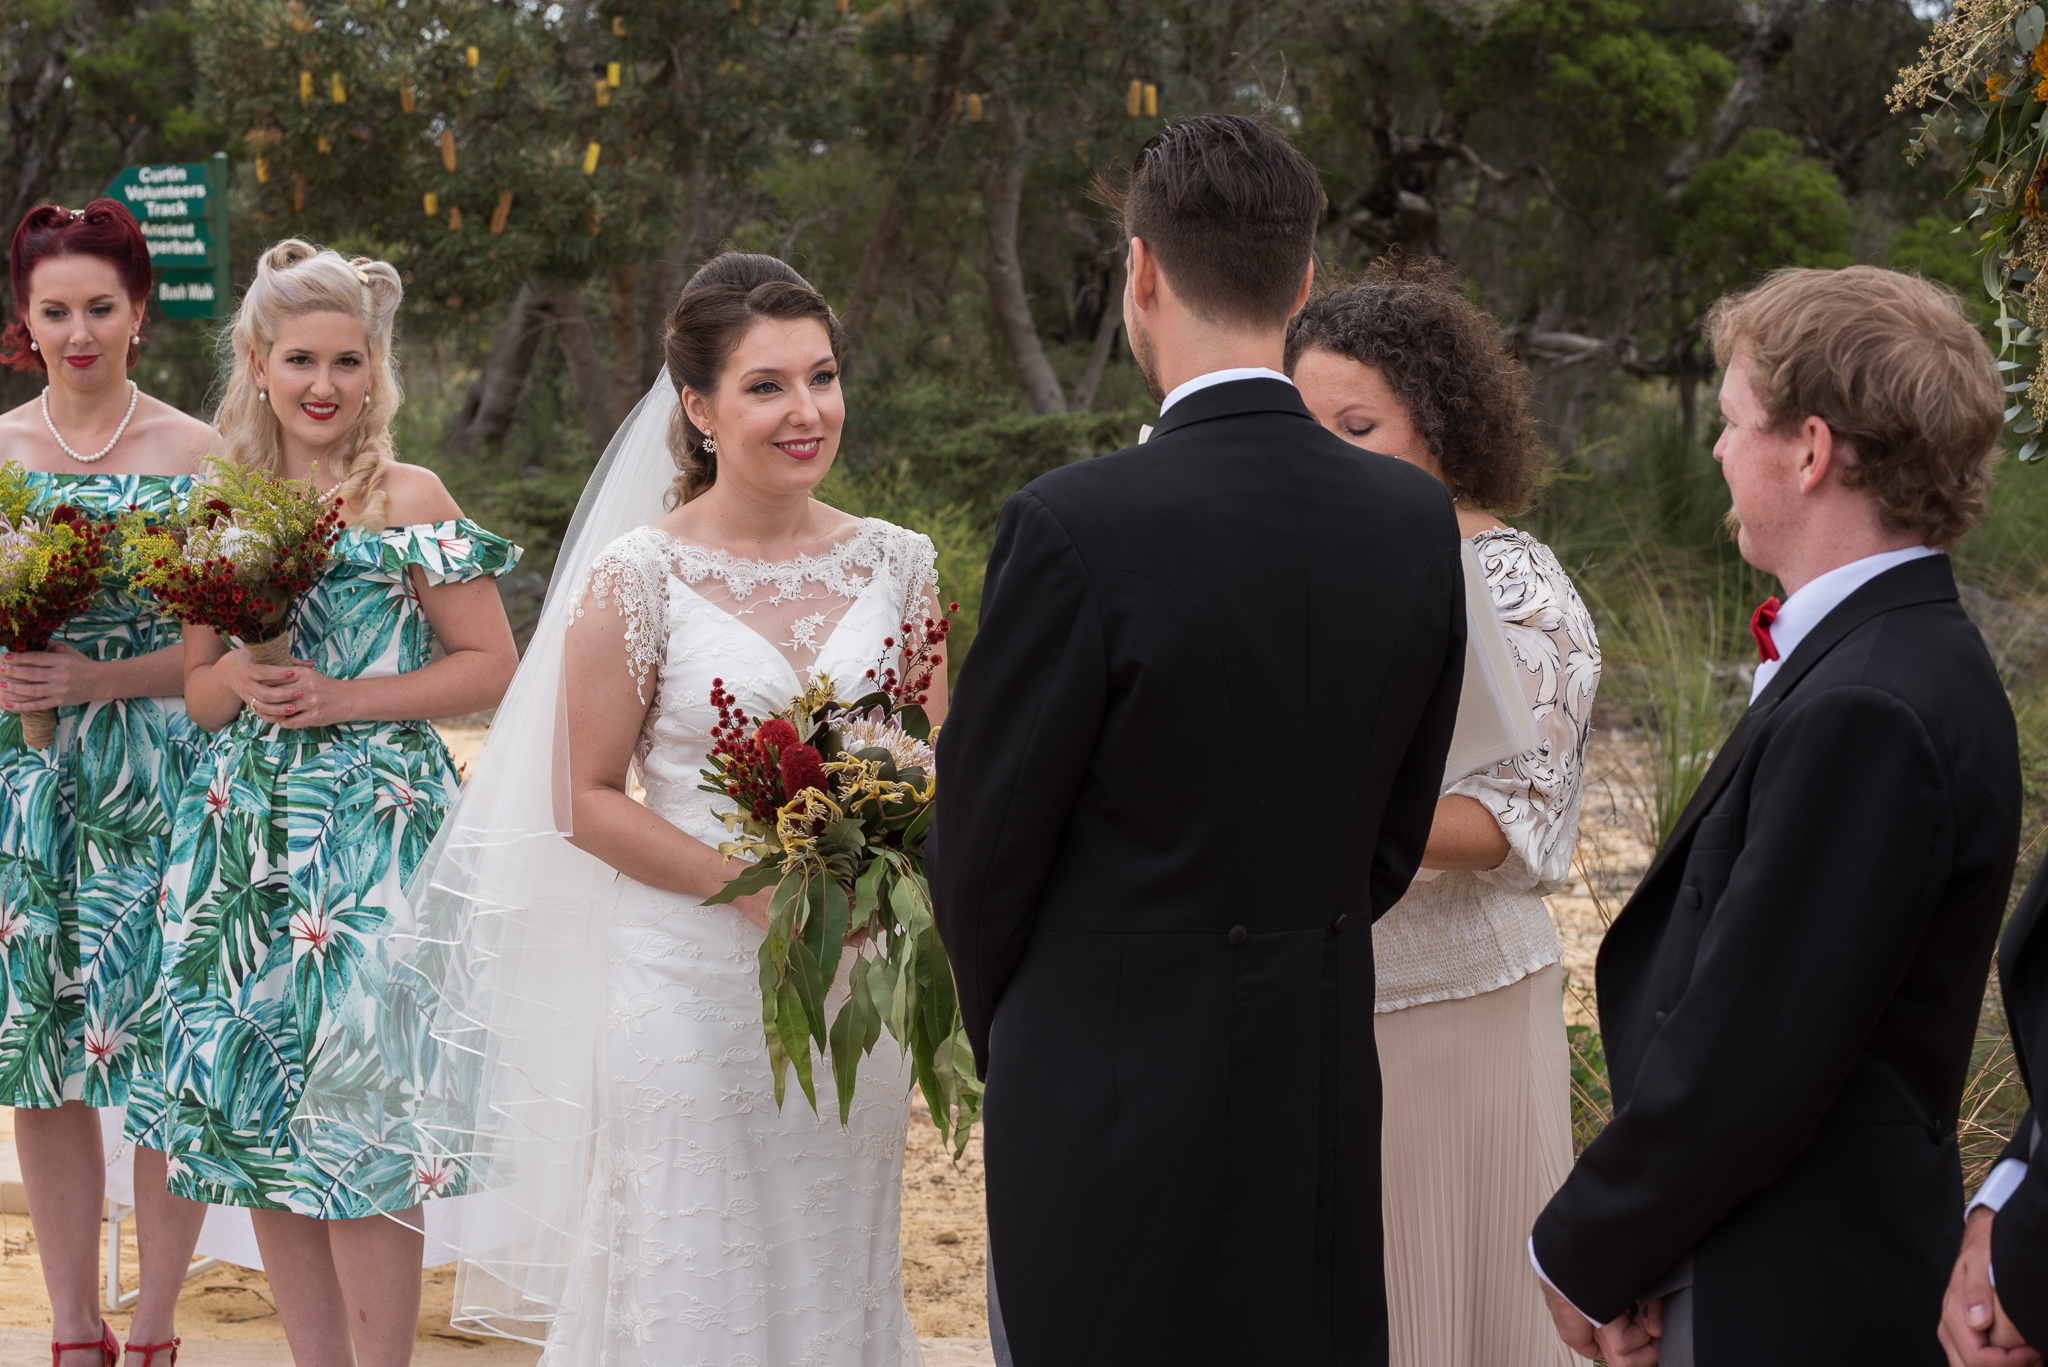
<point x="263" y="394"/>
<point x="35" y="346"/>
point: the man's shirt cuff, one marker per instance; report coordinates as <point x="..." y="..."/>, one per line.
<point x="1999" y="1186"/>
<point x="1596" y="1323"/>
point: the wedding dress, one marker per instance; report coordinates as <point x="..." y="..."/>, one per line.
<point x="586" y="1053"/>
<point x="732" y="1232"/>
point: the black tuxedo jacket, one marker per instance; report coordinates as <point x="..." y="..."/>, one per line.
<point x="1195" y="750"/>
<point x="2019" y="1235"/>
<point x="1789" y="1001"/>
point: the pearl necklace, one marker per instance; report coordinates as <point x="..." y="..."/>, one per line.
<point x="134" y="397"/>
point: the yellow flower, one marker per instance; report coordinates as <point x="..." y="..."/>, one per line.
<point x="2040" y="59"/>
<point x="1994" y="85"/>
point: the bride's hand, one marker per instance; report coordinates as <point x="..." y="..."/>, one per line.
<point x="266" y="689"/>
<point x="754" y="906"/>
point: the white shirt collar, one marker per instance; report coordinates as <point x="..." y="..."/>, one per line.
<point x="1201" y="382"/>
<point x="1818" y="597"/>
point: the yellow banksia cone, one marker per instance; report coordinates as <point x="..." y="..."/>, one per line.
<point x="262" y="171"/>
<point x="337" y="90"/>
<point x="1151" y="101"/>
<point x="611" y="74"/>
<point x="407" y="100"/>
<point x="974" y="109"/>
<point x="305" y="87"/>
<point x="471" y="56"/>
<point x="604" y="96"/>
<point x="590" y="155"/>
<point x="454" y="218"/>
<point x="618" y="26"/>
<point x="433" y="204"/>
<point x="1134" y="100"/>
<point x="501" y="213"/>
<point x="325" y="146"/>
<point x="448" y="150"/>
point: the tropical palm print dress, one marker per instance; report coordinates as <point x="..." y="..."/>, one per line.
<point x="85" y="832"/>
<point x="289" y="851"/>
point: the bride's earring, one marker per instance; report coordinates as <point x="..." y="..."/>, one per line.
<point x="263" y="395"/>
<point x="710" y="446"/>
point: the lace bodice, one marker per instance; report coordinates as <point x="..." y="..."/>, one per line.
<point x="728" y="1231"/>
<point x="697" y="613"/>
<point x="1460" y="934"/>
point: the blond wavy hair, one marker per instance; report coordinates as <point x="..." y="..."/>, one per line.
<point x="295" y="278"/>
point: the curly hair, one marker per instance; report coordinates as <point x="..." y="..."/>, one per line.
<point x="294" y="278"/>
<point x="1438" y="352"/>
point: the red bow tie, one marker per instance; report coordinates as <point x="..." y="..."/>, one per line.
<point x="1760" y="627"/>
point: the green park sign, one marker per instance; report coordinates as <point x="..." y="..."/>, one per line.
<point x="182" y="208"/>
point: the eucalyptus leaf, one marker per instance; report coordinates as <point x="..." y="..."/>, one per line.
<point x="754" y="878"/>
<point x="845" y="1036"/>
<point x="2026" y="452"/>
<point x="2026" y="425"/>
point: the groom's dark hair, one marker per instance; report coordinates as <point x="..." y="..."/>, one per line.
<point x="1230" y="208"/>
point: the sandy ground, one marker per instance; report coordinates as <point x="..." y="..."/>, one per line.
<point x="231" y="1312"/>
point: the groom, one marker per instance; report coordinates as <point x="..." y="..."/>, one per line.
<point x="1194" y="752"/>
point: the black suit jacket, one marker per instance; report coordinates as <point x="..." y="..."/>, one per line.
<point x="1789" y="1001"/>
<point x="1195" y="749"/>
<point x="2019" y="1234"/>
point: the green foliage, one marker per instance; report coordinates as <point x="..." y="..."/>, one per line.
<point x="1761" y="206"/>
<point x="317" y="93"/>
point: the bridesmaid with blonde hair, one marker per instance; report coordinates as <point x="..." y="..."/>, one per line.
<point x="322" y="789"/>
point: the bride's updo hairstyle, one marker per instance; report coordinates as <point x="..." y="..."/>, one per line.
<point x="293" y="279"/>
<point x="103" y="228"/>
<point x="727" y="296"/>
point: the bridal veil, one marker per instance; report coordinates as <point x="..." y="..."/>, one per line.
<point x="483" y="997"/>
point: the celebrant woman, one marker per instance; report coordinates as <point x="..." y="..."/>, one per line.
<point x="1477" y="1128"/>
<point x="317" y="797"/>
<point x="87" y="824"/>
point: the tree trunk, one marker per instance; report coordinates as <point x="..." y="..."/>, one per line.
<point x="1005" y="275"/>
<point x="880" y="253"/>
<point x="626" y="387"/>
<point x="494" y="401"/>
<point x="1105" y="344"/>
<point x="586" y="367"/>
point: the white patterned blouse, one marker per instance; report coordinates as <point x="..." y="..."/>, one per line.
<point x="1460" y="934"/>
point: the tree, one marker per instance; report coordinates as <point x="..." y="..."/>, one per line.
<point x="505" y="154"/>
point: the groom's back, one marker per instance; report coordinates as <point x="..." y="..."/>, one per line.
<point x="1195" y="746"/>
<point x="1276" y="610"/>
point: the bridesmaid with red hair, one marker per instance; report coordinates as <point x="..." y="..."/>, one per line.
<point x="85" y="824"/>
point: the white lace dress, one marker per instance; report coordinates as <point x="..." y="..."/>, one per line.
<point x="738" y="1234"/>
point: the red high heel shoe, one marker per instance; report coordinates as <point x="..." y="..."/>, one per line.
<point x="109" y="1346"/>
<point x="150" y="1350"/>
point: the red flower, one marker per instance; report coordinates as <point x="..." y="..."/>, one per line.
<point x="802" y="767"/>
<point x="780" y="734"/>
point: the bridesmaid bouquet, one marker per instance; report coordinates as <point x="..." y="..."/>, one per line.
<point x="246" y="548"/>
<point x="834" y="800"/>
<point x="50" y="567"/>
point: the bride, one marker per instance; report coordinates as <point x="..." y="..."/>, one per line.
<point x="593" y="1065"/>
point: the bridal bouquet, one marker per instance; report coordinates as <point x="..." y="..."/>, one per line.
<point x="50" y="566"/>
<point x="246" y="548"/>
<point x="834" y="799"/>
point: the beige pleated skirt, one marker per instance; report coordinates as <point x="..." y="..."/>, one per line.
<point x="1477" y="1137"/>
